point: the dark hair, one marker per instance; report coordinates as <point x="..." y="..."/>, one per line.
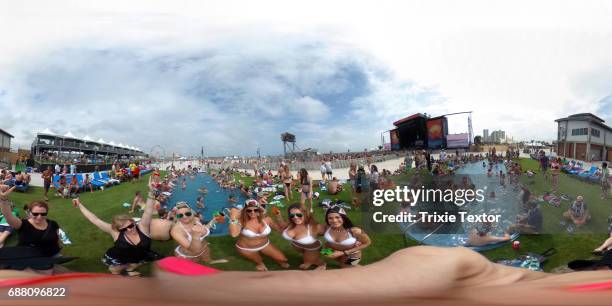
<point x="163" y="213"/>
<point x="604" y="165"/>
<point x="346" y="222"/>
<point x="526" y="195"/>
<point x="303" y="176"/>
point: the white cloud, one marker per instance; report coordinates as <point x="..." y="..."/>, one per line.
<point x="143" y="72"/>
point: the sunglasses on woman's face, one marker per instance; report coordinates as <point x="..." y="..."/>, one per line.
<point x="127" y="227"/>
<point x="299" y="215"/>
<point x="38" y="214"/>
<point x="252" y="210"/>
<point x="187" y="214"/>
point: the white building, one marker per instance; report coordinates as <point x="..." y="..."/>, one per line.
<point x="485" y="135"/>
<point x="584" y="136"/>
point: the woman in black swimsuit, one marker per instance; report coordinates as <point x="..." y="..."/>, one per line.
<point x="132" y="241"/>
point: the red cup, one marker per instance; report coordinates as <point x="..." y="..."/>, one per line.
<point x="516" y="245"/>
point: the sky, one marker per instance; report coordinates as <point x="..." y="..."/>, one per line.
<point x="231" y="76"/>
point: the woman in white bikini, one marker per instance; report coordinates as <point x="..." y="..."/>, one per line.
<point x="252" y="228"/>
<point x="343" y="238"/>
<point x="304" y="226"/>
<point x="190" y="235"/>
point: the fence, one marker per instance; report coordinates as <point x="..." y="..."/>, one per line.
<point x="295" y="166"/>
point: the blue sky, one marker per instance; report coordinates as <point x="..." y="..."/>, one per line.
<point x="192" y="73"/>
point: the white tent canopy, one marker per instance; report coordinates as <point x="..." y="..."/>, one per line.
<point x="86" y="138"/>
<point x="70" y="135"/>
<point x="47" y="131"/>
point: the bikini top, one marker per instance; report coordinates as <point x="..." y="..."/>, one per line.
<point x="189" y="235"/>
<point x="249" y="233"/>
<point x="346" y="242"/>
<point x="306" y="240"/>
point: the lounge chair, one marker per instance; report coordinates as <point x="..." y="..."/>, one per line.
<point x="585" y="174"/>
<point x="110" y="180"/>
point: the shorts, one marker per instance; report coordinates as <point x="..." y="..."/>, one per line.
<point x="287" y="185"/>
<point x="6" y="228"/>
<point x="328" y="173"/>
<point x="47" y="186"/>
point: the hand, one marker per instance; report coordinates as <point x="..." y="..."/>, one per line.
<point x="76" y="202"/>
<point x="336" y="254"/>
<point x="234" y="213"/>
<point x="5" y="191"/>
<point x="197" y="230"/>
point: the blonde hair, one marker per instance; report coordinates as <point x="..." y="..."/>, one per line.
<point x="119" y="220"/>
<point x="244" y="217"/>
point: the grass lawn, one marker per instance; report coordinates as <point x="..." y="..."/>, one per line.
<point x="89" y="243"/>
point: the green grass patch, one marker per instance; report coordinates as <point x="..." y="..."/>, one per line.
<point x="89" y="243"/>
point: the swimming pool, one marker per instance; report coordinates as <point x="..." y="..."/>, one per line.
<point x="505" y="203"/>
<point x="214" y="200"/>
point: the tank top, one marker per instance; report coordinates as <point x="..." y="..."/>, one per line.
<point x="126" y="252"/>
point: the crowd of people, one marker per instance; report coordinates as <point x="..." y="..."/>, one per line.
<point x="252" y="223"/>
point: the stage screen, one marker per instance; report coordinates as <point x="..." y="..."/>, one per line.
<point x="435" y="133"/>
<point x="395" y="142"/>
<point x="458" y="140"/>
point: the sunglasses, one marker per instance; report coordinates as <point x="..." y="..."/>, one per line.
<point x="252" y="210"/>
<point x="187" y="214"/>
<point x="127" y="227"/>
<point x="38" y="214"/>
<point x="299" y="215"/>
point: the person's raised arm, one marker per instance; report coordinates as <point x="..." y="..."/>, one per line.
<point x="5" y="205"/>
<point x="278" y="224"/>
<point x="105" y="227"/>
<point x="145" y="222"/>
<point x="134" y="202"/>
<point x="234" y="226"/>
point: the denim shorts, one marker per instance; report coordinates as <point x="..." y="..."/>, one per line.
<point x="8" y="228"/>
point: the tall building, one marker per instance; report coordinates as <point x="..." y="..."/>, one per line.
<point x="485" y="135"/>
<point x="498" y="136"/>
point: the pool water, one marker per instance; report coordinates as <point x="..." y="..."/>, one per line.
<point x="505" y="203"/>
<point x="214" y="201"/>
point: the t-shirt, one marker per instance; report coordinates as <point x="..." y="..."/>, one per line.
<point x="323" y="168"/>
<point x="328" y="167"/>
<point x="605" y="175"/>
<point x="46" y="240"/>
<point x="535" y="219"/>
<point x="3" y="219"/>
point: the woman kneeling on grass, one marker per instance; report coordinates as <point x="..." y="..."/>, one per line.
<point x="345" y="240"/>
<point x="301" y="232"/>
<point x="132" y="241"/>
<point x="252" y="228"/>
<point x="190" y="235"/>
